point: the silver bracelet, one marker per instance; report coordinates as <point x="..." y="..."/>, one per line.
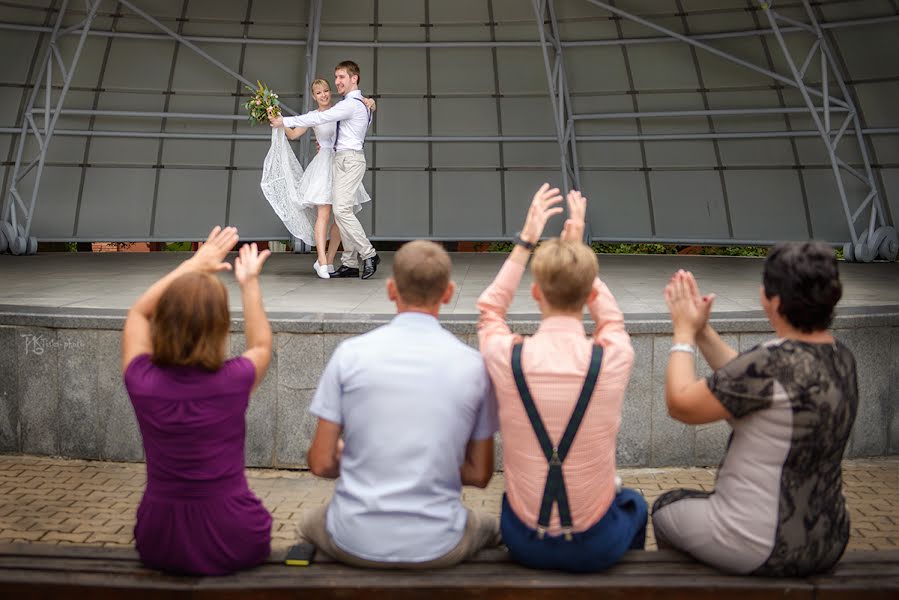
<point x="682" y="347"/>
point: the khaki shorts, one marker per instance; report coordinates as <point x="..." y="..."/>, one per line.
<point x="481" y="531"/>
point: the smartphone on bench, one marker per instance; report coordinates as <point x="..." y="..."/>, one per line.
<point x="300" y="555"/>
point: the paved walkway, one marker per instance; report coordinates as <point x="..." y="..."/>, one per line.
<point x="59" y="501"/>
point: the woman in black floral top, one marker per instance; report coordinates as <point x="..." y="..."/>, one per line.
<point x="778" y="506"/>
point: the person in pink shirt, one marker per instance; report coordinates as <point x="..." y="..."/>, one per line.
<point x="560" y="395"/>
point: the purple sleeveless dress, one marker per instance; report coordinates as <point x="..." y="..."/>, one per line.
<point x="198" y="514"/>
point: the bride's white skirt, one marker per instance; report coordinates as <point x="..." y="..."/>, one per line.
<point x="295" y="195"/>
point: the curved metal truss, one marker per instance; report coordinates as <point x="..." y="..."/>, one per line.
<point x="829" y="104"/>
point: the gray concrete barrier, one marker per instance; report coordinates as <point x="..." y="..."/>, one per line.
<point x="61" y="390"/>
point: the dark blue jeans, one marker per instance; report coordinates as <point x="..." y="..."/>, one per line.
<point x="622" y="528"/>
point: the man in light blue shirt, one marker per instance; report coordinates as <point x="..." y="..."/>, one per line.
<point x="417" y="414"/>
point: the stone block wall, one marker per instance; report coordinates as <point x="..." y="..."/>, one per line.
<point x="61" y="390"/>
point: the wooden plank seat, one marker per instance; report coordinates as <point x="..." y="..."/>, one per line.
<point x="31" y="571"/>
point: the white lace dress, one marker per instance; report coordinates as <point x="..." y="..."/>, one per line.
<point x="294" y="194"/>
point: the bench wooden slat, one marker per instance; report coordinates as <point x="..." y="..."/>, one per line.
<point x="44" y="571"/>
<point x="490" y="555"/>
<point x="406" y="586"/>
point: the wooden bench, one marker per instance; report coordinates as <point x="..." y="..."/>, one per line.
<point x="32" y="571"/>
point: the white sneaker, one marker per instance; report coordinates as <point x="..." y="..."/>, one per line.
<point x="321" y="271"/>
<point x="316" y="266"/>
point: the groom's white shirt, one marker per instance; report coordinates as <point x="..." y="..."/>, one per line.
<point x="349" y="112"/>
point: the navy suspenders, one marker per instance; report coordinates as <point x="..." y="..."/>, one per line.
<point x="337" y="133"/>
<point x="555" y="491"/>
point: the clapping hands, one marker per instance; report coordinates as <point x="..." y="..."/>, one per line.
<point x="690" y="310"/>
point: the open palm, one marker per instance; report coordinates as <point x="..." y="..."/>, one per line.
<point x="209" y="258"/>
<point x="248" y="263"/>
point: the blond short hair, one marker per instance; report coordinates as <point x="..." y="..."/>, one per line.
<point x="564" y="271"/>
<point x="421" y="271"/>
<point x="319" y="82"/>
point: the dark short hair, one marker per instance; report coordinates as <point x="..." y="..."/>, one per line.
<point x="351" y="69"/>
<point x="805" y="277"/>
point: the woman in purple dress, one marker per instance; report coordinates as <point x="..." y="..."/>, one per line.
<point x="198" y="514"/>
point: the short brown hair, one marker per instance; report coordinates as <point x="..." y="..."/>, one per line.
<point x="421" y="270"/>
<point x="564" y="271"/>
<point x="351" y="69"/>
<point x="190" y="324"/>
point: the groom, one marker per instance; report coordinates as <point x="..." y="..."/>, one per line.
<point x="353" y="119"/>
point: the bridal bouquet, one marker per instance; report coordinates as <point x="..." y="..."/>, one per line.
<point x="260" y="102"/>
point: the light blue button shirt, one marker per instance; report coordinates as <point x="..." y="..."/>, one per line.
<point x="409" y="396"/>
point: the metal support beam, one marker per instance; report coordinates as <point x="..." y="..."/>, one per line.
<point x="186" y="42"/>
<point x="871" y="237"/>
<point x="740" y="112"/>
<point x="645" y="137"/>
<point x="315" y="16"/>
<point x="663" y="39"/>
<point x="560" y="99"/>
<point x="15" y="222"/>
<point x="312" y="35"/>
<point x="711" y="49"/>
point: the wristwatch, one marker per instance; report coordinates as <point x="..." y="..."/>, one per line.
<point x="520" y="242"/>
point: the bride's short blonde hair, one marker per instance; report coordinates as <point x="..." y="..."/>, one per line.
<point x="320" y="82"/>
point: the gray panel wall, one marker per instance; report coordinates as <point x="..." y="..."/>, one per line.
<point x="747" y="190"/>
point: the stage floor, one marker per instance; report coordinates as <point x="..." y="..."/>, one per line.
<point x="114" y="281"/>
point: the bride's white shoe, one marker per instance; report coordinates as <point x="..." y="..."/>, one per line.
<point x="321" y="270"/>
<point x="315" y="266"/>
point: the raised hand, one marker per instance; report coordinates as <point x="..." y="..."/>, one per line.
<point x="249" y="263"/>
<point x="370" y="104"/>
<point x="577" y="213"/>
<point x="543" y="206"/>
<point x="210" y="256"/>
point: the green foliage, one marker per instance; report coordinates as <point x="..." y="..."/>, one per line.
<point x="500" y="247"/>
<point x="652" y="248"/>
<point x="734" y="251"/>
<point x="634" y="248"/>
<point x="260" y="102"/>
<point x="177" y="247"/>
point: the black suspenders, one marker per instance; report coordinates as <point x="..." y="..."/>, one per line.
<point x="555" y="491"/>
<point x="337" y="132"/>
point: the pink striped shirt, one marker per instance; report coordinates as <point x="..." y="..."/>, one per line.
<point x="555" y="361"/>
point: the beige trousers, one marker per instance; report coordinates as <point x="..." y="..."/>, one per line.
<point x="349" y="167"/>
<point x="481" y="531"/>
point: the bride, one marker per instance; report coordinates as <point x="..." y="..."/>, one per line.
<point x="314" y="188"/>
